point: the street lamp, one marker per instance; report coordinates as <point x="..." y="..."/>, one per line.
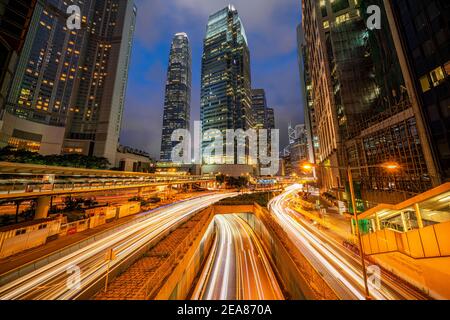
<point x="390" y="166"/>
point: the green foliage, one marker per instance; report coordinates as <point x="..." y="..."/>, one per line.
<point x="136" y="198"/>
<point x="73" y="204"/>
<point x="8" y="154"/>
<point x="220" y="179"/>
<point x="233" y="182"/>
<point x="261" y="198"/>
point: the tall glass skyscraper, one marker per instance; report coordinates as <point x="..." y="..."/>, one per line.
<point x="45" y="79"/>
<point x="177" y="103"/>
<point x="225" y="81"/>
<point x="68" y="91"/>
<point x="259" y="107"/>
<point x="422" y="30"/>
<point x="96" y="118"/>
<point x="15" y="17"/>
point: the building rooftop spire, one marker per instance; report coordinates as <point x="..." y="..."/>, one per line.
<point x="183" y="34"/>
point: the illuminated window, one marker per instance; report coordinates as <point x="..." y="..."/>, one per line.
<point x="425" y="84"/>
<point x="21" y="144"/>
<point x="342" y="18"/>
<point x="73" y="150"/>
<point x="437" y="75"/>
<point x="447" y="68"/>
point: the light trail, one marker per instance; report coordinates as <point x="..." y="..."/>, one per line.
<point x="339" y="267"/>
<point x="237" y="267"/>
<point x="52" y="281"/>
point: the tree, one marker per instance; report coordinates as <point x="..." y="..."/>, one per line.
<point x="238" y="183"/>
<point x="9" y="154"/>
<point x="220" y="179"/>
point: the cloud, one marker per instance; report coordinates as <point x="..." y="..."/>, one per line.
<point x="271" y="31"/>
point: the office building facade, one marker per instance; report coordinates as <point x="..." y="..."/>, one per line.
<point x="44" y="83"/>
<point x="177" y="102"/>
<point x="422" y="33"/>
<point x="373" y="114"/>
<point x="15" y="18"/>
<point x="96" y="119"/>
<point x="306" y="95"/>
<point x="225" y="78"/>
<point x="67" y="94"/>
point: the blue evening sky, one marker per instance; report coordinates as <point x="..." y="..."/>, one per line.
<point x="271" y="31"/>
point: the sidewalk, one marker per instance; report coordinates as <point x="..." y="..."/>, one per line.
<point x="431" y="276"/>
<point x="339" y="224"/>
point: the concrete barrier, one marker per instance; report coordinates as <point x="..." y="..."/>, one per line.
<point x="300" y="278"/>
<point x="429" y="242"/>
<point x="180" y="281"/>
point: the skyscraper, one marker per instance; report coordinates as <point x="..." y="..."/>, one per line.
<point x="321" y="83"/>
<point x="225" y="80"/>
<point x="44" y="83"/>
<point x="96" y="115"/>
<point x="177" y="103"/>
<point x="306" y="91"/>
<point x="259" y="108"/>
<point x="270" y="119"/>
<point x="358" y="90"/>
<point x="421" y="31"/>
<point x="15" y="17"/>
<point x="263" y="116"/>
<point x="71" y="83"/>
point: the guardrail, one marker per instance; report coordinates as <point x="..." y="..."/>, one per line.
<point x="36" y="264"/>
<point x="429" y="242"/>
<point x="52" y="191"/>
<point x="8" y="188"/>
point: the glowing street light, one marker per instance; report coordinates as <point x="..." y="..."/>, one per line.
<point x="392" y="166"/>
<point x="307" y="166"/>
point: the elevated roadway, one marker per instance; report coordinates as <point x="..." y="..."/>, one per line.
<point x="75" y="274"/>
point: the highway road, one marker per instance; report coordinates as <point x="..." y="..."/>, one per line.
<point x="340" y="267"/>
<point x="237" y="267"/>
<point x="72" y="276"/>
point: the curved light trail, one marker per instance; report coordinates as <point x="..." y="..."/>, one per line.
<point x="339" y="267"/>
<point x="237" y="267"/>
<point x="55" y="280"/>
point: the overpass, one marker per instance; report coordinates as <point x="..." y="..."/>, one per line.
<point x="30" y="181"/>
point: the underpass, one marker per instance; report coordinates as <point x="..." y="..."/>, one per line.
<point x="237" y="267"/>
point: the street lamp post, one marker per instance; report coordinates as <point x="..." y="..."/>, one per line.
<point x="388" y="166"/>
<point x="358" y="233"/>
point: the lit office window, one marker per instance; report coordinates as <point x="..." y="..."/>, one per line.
<point x="437" y="75"/>
<point x="425" y="84"/>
